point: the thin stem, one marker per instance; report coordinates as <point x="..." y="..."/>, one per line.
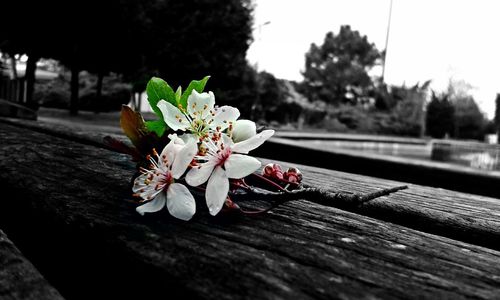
<point x="256" y="212"/>
<point x="240" y="183"/>
<point x="279" y="187"/>
<point x="322" y="196"/>
<point x="368" y="197"/>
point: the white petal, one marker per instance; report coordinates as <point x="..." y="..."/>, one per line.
<point x="173" y="116"/>
<point x="183" y="158"/>
<point x="200" y="105"/>
<point x="170" y="151"/>
<point x="243" y="130"/>
<point x="226" y="140"/>
<point x="238" y="166"/>
<point x="152" y="206"/>
<point x="139" y="183"/>
<point x="200" y="174"/>
<point x="180" y="202"/>
<point x="253" y="142"/>
<point x="146" y="191"/>
<point x="186" y="137"/>
<point x="177" y="139"/>
<point x="224" y="115"/>
<point x="217" y="189"/>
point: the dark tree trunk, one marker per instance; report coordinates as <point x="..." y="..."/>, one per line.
<point x="13" y="66"/>
<point x="73" y="104"/>
<point x="30" y="80"/>
<point x="137" y="102"/>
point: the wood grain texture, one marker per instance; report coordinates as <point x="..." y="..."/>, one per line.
<point x="435" y="174"/>
<point x="471" y="218"/>
<point x="18" y="277"/>
<point x="71" y="210"/>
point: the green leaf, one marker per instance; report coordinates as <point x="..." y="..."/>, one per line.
<point x="157" y="126"/>
<point x="197" y="85"/>
<point x="157" y="89"/>
<point x="178" y="94"/>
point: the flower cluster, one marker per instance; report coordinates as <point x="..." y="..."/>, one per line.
<point x="209" y="147"/>
<point x="204" y="150"/>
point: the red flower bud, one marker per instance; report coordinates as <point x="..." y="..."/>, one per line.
<point x="293" y="175"/>
<point x="273" y="171"/>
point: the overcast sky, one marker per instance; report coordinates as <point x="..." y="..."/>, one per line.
<point x="428" y="39"/>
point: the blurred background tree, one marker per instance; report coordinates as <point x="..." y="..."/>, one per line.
<point x="337" y="71"/>
<point x="109" y="50"/>
<point x="496" y="120"/>
<point x="440" y="118"/>
<point x="337" y="74"/>
<point x="470" y="122"/>
<point x="31" y="32"/>
<point x="176" y="40"/>
<point x="190" y="39"/>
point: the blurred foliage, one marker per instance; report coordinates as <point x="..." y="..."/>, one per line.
<point x="490" y="127"/>
<point x="56" y="93"/>
<point x="280" y="102"/>
<point x="176" y="40"/>
<point x="440" y="117"/>
<point x="497" y="114"/>
<point x="242" y="95"/>
<point x="3" y="69"/>
<point x="404" y="118"/>
<point x="337" y="71"/>
<point x="470" y="122"/>
<point x="407" y="116"/>
<point x="336" y="74"/>
<point x="194" y="38"/>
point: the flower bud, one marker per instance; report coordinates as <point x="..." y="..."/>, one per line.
<point x="273" y="171"/>
<point x="268" y="170"/>
<point x="243" y="130"/>
<point x="293" y="175"/>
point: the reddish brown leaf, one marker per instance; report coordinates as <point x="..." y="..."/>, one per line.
<point x="133" y="125"/>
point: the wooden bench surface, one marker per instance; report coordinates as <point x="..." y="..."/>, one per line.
<point x="427" y="173"/>
<point x="471" y="218"/>
<point x="19" y="279"/>
<point x="72" y="204"/>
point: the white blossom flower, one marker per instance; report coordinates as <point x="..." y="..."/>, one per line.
<point x="224" y="159"/>
<point x="243" y="130"/>
<point x="200" y="117"/>
<point x="157" y="185"/>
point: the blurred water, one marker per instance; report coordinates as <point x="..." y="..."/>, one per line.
<point x="475" y="155"/>
<point x="418" y="151"/>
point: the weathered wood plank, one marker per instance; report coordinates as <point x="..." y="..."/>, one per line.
<point x="471" y="218"/>
<point x="80" y="134"/>
<point x="13" y="109"/>
<point x="465" y="217"/>
<point x="70" y="203"/>
<point x="436" y="174"/>
<point x="18" y="277"/>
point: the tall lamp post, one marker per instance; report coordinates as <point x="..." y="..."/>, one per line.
<point x="259" y="39"/>
<point x="257" y="81"/>
<point x="386" y="41"/>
